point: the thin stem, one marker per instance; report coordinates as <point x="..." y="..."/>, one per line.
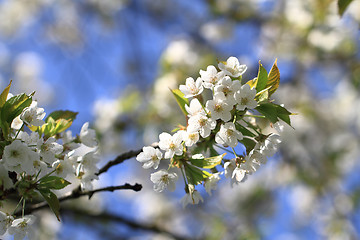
<point x="19" y="130"/>
<point x="256" y="116"/>
<point x="23" y="208"/>
<point x="227" y="150"/>
<point x="17" y="205"/>
<point x="182" y="173"/>
<point x="250" y="125"/>
<point x="46" y="175"/>
<point x="234" y="152"/>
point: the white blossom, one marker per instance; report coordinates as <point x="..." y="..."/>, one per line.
<point x="18" y="157"/>
<point x="21" y="227"/>
<point x="49" y="149"/>
<point x="163" y="179"/>
<point x="219" y="108"/>
<point x="32" y="115"/>
<point x="211" y="76"/>
<point x="88" y="136"/>
<point x="190" y="137"/>
<point x="211" y="182"/>
<point x="233" y="171"/>
<point x="228" y="135"/>
<point x="5" y="222"/>
<point x="201" y="123"/>
<point x="245" y="97"/>
<point x="171" y="144"/>
<point x="193" y="198"/>
<point x="17" y="123"/>
<point x="195" y="108"/>
<point x="270" y="145"/>
<point x="150" y="157"/>
<point x="192" y="87"/>
<point x="229" y="88"/>
<point x="86" y="169"/>
<point x="232" y="67"/>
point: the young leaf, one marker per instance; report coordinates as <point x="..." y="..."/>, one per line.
<point x="61" y="114"/>
<point x="273" y="79"/>
<point x="52" y="200"/>
<point x="262" y="78"/>
<point x="180" y="99"/>
<point x="195" y="175"/>
<point x="207" y="162"/>
<point x="252" y="83"/>
<point x="343" y="5"/>
<point x="53" y="182"/>
<point x="4" y="95"/>
<point x="14" y="106"/>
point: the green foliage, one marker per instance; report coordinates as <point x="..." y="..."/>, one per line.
<point x="274" y="112"/>
<point x="273" y="79"/>
<point x="262" y="78"/>
<point x="52" y="200"/>
<point x="195" y="175"/>
<point x="4" y="95"/>
<point x="52" y="182"/>
<point x="207" y="162"/>
<point x="45" y="185"/>
<point x="181" y="100"/>
<point x="11" y="109"/>
<point x="56" y="122"/>
<point x="343" y="5"/>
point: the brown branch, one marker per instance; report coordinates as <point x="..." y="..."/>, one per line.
<point x="121" y="158"/>
<point x="77" y="193"/>
<point x="116" y="218"/>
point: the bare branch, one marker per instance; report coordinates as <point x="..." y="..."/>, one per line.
<point x="77" y="193"/>
<point x="121" y="158"/>
<point x="116" y="218"/>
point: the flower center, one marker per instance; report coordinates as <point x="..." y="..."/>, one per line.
<point x="14" y="154"/>
<point x="165" y="179"/>
<point x="172" y="146"/>
<point x="192" y="136"/>
<point x="202" y="122"/>
<point x="218" y="108"/>
<point x="154" y="158"/>
<point x="244" y="101"/>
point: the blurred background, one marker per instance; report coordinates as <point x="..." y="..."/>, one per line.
<point x="113" y="61"/>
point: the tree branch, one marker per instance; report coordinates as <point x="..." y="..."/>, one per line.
<point x="77" y="193"/>
<point x="116" y="218"/>
<point x="121" y="158"/>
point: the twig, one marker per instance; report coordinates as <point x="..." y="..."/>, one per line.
<point x="77" y="193"/>
<point x="116" y="218"/>
<point x="121" y="158"/>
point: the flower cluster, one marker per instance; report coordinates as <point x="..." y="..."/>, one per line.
<point x="37" y="156"/>
<point x="224" y="122"/>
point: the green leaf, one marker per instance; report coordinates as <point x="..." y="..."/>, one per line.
<point x="195" y="175"/>
<point x="4" y="95"/>
<point x="207" y="162"/>
<point x="244" y="130"/>
<point x="343" y="5"/>
<point x="61" y="114"/>
<point x="273" y="79"/>
<point x="53" y="182"/>
<point x="248" y="143"/>
<point x="262" y="78"/>
<point x="274" y="112"/>
<point x="52" y="200"/>
<point x="180" y="99"/>
<point x="14" y="106"/>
